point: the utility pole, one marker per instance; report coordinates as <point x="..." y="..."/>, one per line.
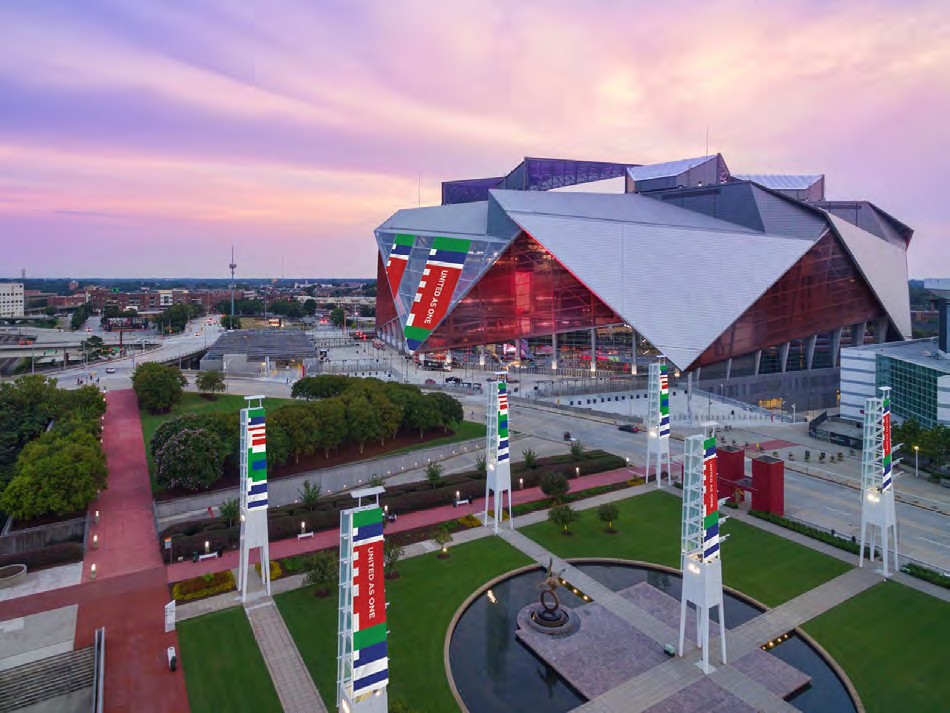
<point x="232" y="267"/>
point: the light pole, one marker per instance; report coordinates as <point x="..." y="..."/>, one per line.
<point x="916" y="454"/>
<point x="793" y="413"/>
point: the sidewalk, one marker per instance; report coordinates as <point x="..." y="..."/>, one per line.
<point x="410" y="521"/>
<point x="130" y="592"/>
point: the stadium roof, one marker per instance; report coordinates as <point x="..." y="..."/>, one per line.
<point x="680" y="265"/>
<point x="782" y="182"/>
<point x="666" y="169"/>
<point x="261" y="343"/>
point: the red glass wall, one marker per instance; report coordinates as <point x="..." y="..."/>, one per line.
<point x="526" y="293"/>
<point x="823" y="291"/>
<point x="385" y="307"/>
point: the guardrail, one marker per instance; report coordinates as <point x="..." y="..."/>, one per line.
<point x="99" y="671"/>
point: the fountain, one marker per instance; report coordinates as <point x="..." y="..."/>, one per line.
<point x="547" y="616"/>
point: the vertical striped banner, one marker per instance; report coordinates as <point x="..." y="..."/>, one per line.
<point x="886" y="461"/>
<point x="398" y="259"/>
<point x="710" y="501"/>
<point x="255" y="436"/>
<point x="434" y="294"/>
<point x="370" y="654"/>
<point x="502" y="421"/>
<point x="664" y="401"/>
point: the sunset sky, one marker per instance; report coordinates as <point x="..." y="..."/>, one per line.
<point x="145" y="137"/>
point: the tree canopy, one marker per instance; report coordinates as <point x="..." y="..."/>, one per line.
<point x="158" y="387"/>
<point x="210" y="383"/>
<point x="192" y="459"/>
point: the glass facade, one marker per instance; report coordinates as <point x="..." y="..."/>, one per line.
<point x="525" y="293"/>
<point x="822" y="291"/>
<point x="913" y="388"/>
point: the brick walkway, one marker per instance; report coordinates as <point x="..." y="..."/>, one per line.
<point x="295" y="688"/>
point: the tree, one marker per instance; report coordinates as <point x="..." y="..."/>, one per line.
<point x="481" y="466"/>
<point x="299" y="424"/>
<point x="423" y="415"/>
<point x="158" y="387"/>
<point x="209" y="383"/>
<point x="608" y="512"/>
<point x="324" y="386"/>
<point x="224" y="425"/>
<point x="286" y="308"/>
<point x="555" y="486"/>
<point x="563" y="516"/>
<point x="229" y="510"/>
<point x="434" y="474"/>
<point x="229" y="322"/>
<point x="323" y="572"/>
<point x="309" y="494"/>
<point x="449" y="409"/>
<point x="363" y="420"/>
<point x="310" y="307"/>
<point x="330" y="415"/>
<point x="530" y="458"/>
<point x="192" y="459"/>
<point x="55" y="474"/>
<point x="392" y="553"/>
<point x="93" y="347"/>
<point x="177" y="316"/>
<point x="443" y="537"/>
<point x="337" y="317"/>
<point x="367" y="310"/>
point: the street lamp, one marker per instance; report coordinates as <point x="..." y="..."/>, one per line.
<point x="916" y="454"/>
<point x="793" y="413"/>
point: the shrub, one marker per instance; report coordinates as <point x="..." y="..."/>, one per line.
<point x="392" y="553"/>
<point x="309" y="494"/>
<point x="52" y="556"/>
<point x="229" y="510"/>
<point x="577" y="450"/>
<point x="481" y="467"/>
<point x="927" y="574"/>
<point x="192" y="459"/>
<point x="608" y="512"/>
<point x="469" y="521"/>
<point x="530" y="458"/>
<point x="555" y="486"/>
<point x="207" y="585"/>
<point x="276" y="571"/>
<point x="563" y="516"/>
<point x="442" y="538"/>
<point x="434" y="474"/>
<point x="323" y="572"/>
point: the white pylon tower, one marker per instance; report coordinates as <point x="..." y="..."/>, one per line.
<point x="497" y="461"/>
<point x="658" y="422"/>
<point x="702" y="568"/>
<point x="877" y="489"/>
<point x="253" y="492"/>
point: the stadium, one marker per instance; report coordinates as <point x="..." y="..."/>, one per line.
<point x="752" y="284"/>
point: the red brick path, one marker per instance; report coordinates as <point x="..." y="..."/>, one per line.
<point x="420" y="518"/>
<point x="129" y="593"/>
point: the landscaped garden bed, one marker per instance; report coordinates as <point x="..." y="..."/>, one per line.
<point x="203" y="586"/>
<point x="52" y="556"/>
<point x="285" y="522"/>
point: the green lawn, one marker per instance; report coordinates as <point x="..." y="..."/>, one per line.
<point x="194" y="403"/>
<point x="893" y="643"/>
<point x="465" y="431"/>
<point x="767" y="567"/>
<point x="423" y="601"/>
<point x="224" y="669"/>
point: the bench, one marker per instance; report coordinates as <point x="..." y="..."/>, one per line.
<point x="303" y="535"/>
<point x="210" y="555"/>
<point x="463" y="501"/>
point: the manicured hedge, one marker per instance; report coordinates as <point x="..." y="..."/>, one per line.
<point x="52" y="556"/>
<point x="207" y="585"/>
<point x="927" y="574"/>
<point x="284" y="522"/>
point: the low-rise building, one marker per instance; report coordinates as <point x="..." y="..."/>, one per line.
<point x="11" y="299"/>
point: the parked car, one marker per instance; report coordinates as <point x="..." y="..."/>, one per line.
<point x="453" y="380"/>
<point x="430" y="382"/>
<point x="630" y="428"/>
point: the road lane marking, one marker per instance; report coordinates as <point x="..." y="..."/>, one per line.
<point x="840" y="512"/>
<point x="934" y="542"/>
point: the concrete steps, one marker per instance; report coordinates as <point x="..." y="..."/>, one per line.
<point x="48" y="678"/>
